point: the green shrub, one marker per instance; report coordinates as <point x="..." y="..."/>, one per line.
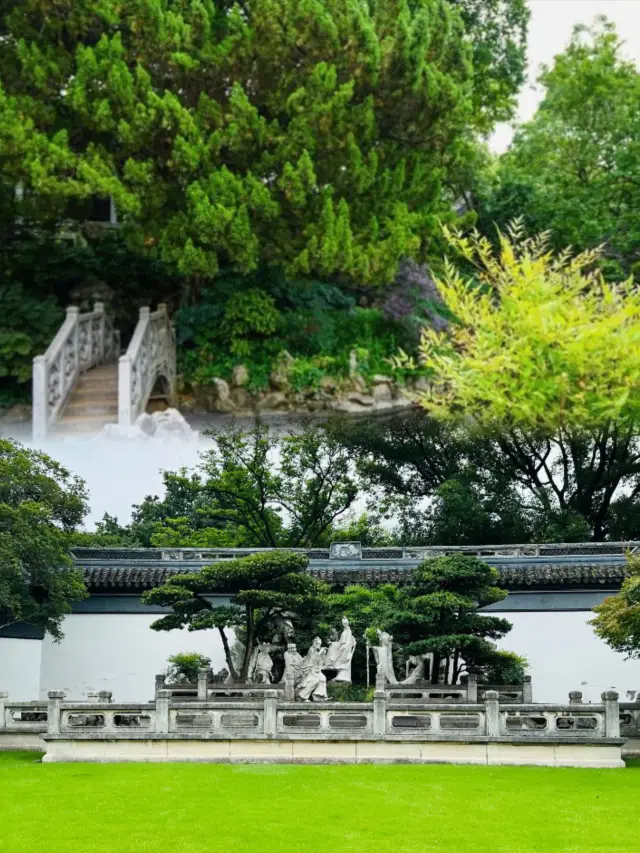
<point x="506" y="668"/>
<point x="184" y="666"/>
<point x="28" y="327"/>
<point x="343" y="692"/>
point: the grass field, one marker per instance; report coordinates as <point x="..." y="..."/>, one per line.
<point x="183" y="808"/>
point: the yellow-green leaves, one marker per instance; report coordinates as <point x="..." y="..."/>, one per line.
<point x="538" y="341"/>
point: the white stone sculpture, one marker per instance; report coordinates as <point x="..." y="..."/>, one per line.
<point x="418" y="662"/>
<point x="341" y="652"/>
<point x="263" y="670"/>
<point x="292" y="663"/>
<point x="313" y="682"/>
<point x="382" y="654"/>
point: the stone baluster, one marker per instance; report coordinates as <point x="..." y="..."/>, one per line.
<point x="270" y="712"/>
<point x="492" y="712"/>
<point x="3" y="718"/>
<point x="611" y="713"/>
<point x="159" y="683"/>
<point x="472" y="688"/>
<point x="104" y="697"/>
<point x="163" y="698"/>
<point x="575" y="697"/>
<point x="53" y="711"/>
<point x="380" y="710"/>
<point x="92" y="696"/>
<point x="203" y="684"/>
<point x="527" y="690"/>
<point x="289" y="685"/>
<point x="98" y="308"/>
<point x="381" y="682"/>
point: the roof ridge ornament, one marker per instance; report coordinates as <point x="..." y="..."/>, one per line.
<point x="345" y="551"/>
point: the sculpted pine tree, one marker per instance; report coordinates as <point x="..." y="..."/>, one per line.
<point x="261" y="589"/>
<point x="438" y="615"/>
<point x="318" y="136"/>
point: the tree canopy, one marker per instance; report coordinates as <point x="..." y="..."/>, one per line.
<point x="574" y="169"/>
<point x="261" y="587"/>
<point x="40" y="504"/>
<point x="617" y="619"/>
<point x="321" y="137"/>
<point x="540" y="342"/>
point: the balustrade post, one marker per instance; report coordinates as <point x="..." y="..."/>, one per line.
<point x="159" y="683"/>
<point x="53" y="711"/>
<point x="40" y="398"/>
<point x="3" y="719"/>
<point x="163" y="698"/>
<point x="124" y="390"/>
<point x="492" y="712"/>
<point x="289" y="686"/>
<point x="472" y="688"/>
<point x="527" y="690"/>
<point x="611" y="713"/>
<point x="98" y="308"/>
<point x="73" y="313"/>
<point x="575" y="697"/>
<point x="203" y="684"/>
<point x="270" y="712"/>
<point x="380" y="712"/>
<point x="104" y="697"/>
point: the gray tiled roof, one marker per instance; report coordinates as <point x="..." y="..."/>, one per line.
<point x="520" y="567"/>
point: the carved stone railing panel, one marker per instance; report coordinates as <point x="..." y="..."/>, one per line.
<point x="269" y="718"/>
<point x="83" y="341"/>
<point x="150" y="356"/>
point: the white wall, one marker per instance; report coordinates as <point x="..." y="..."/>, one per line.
<point x="117" y="652"/>
<point x="122" y="654"/>
<point x="20" y="668"/>
<point x="565" y="655"/>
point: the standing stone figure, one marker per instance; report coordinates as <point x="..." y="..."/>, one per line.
<point x="382" y="654"/>
<point x="264" y="664"/>
<point x="313" y="682"/>
<point x="292" y="663"/>
<point x="343" y="653"/>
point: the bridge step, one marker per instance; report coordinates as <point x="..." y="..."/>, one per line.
<point x="93" y="403"/>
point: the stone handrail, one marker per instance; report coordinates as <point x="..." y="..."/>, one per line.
<point x="151" y="355"/>
<point x="82" y="342"/>
<point x="270" y="716"/>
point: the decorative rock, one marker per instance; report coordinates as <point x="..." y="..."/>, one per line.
<point x="361" y="399"/>
<point x="239" y="376"/>
<point x="378" y="379"/>
<point x="382" y="391"/>
<point x="223" y="401"/>
<point x="275" y="400"/>
<point x="241" y="398"/>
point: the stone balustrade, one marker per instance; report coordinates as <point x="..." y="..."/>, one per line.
<point x="22" y="723"/>
<point x="270" y="728"/>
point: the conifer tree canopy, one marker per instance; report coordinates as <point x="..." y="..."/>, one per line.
<point x="315" y="135"/>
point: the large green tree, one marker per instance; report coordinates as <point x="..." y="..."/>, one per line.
<point x="319" y="136"/>
<point x="40" y="504"/>
<point x="255" y="487"/>
<point x="575" y="167"/>
<point x="617" y="619"/>
<point x="261" y="588"/>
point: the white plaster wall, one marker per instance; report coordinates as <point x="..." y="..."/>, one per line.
<point x="20" y="668"/>
<point x="117" y="652"/>
<point x="122" y="654"/>
<point x="565" y="655"/>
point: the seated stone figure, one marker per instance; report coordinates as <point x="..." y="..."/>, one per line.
<point x="313" y="682"/>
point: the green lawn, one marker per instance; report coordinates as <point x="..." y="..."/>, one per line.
<point x="183" y="808"/>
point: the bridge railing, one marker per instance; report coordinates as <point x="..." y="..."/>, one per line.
<point x="151" y="355"/>
<point x="83" y="341"/>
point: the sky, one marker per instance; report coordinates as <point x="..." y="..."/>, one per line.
<point x="550" y="28"/>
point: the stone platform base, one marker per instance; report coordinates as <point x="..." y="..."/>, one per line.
<point x="327" y="752"/>
<point x="25" y="741"/>
<point x="631" y="748"/>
